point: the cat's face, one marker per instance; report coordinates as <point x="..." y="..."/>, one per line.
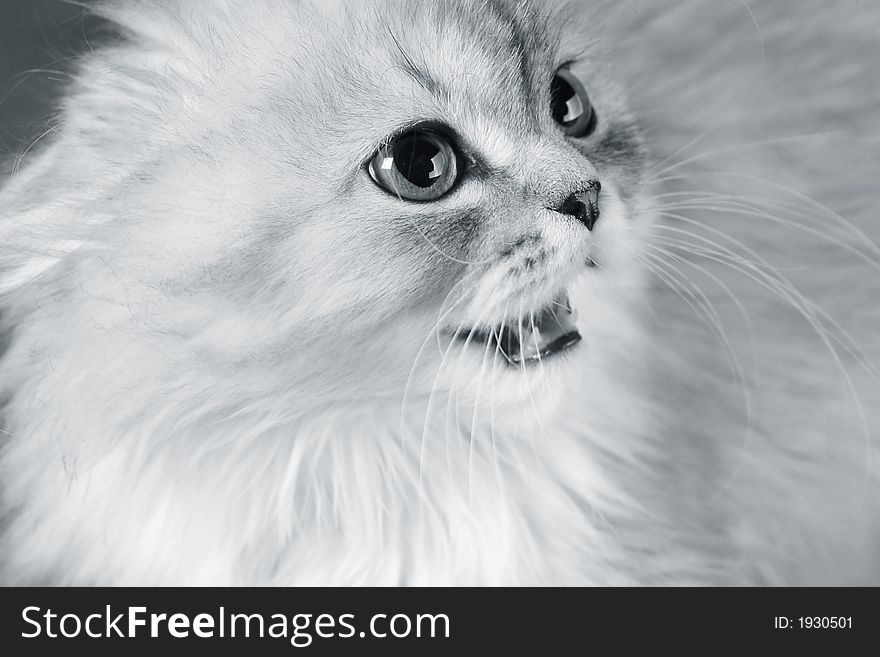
<point x="408" y="194"/>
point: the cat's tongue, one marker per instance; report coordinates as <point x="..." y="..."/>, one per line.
<point x="551" y="332"/>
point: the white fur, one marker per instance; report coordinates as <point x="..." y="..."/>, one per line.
<point x="197" y="394"/>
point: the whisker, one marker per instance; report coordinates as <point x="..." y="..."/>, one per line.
<point x="736" y="367"/>
<point x="661" y="174"/>
<point x="442" y="315"/>
<point x="492" y="407"/>
<point x="826" y="329"/>
<point x="757" y="29"/>
<point x="742" y="209"/>
<point x="436" y="380"/>
<point x="528" y="389"/>
<point x="473" y="440"/>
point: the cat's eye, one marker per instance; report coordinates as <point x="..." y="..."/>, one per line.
<point x="419" y="165"/>
<point x="570" y="105"/>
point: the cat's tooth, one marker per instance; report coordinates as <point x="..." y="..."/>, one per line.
<point x="564" y="315"/>
<point x="532" y="343"/>
<point x="509" y="345"/>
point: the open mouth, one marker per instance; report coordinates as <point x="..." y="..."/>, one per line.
<point x="539" y="336"/>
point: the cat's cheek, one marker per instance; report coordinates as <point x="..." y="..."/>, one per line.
<point x="613" y="233"/>
<point x="620" y="155"/>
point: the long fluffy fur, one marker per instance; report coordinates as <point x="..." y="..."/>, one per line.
<point x="186" y="404"/>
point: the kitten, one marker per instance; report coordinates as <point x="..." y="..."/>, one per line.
<point x="405" y="293"/>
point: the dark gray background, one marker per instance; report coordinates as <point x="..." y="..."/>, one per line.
<point x="39" y="42"/>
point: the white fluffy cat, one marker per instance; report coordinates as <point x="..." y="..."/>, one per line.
<point x="405" y="292"/>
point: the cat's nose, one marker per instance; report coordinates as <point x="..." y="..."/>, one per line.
<point x="583" y="205"/>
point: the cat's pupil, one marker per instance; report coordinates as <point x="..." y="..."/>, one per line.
<point x="566" y="106"/>
<point x="419" y="159"/>
<point x="570" y="105"/>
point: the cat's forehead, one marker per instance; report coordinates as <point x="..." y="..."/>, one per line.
<point x="490" y="28"/>
<point x="501" y="35"/>
<point x="448" y="49"/>
<point x="458" y="61"/>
